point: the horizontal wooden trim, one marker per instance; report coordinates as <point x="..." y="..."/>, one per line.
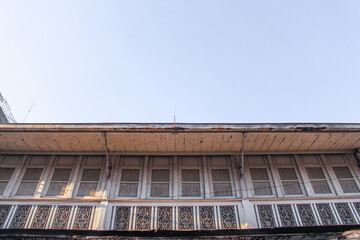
<point x="97" y="200"/>
<point x="178" y="153"/>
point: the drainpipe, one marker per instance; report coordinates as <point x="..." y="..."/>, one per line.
<point x="241" y="165"/>
<point x="107" y="160"/>
<point x="357" y="156"/>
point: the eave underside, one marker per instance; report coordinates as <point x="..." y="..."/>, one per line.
<point x="183" y="139"/>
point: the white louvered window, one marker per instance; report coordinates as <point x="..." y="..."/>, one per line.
<point x="315" y="177"/>
<point x="221" y="180"/>
<point x="29" y="181"/>
<point x="8" y="164"/>
<point x="60" y="175"/>
<point x="288" y="175"/>
<point x="59" y="181"/>
<point x="129" y="182"/>
<point x="5" y="175"/>
<point x="160" y="177"/>
<point x="89" y="183"/>
<point x="160" y="183"/>
<point x="289" y="181"/>
<point x="260" y="181"/>
<point x="31" y="175"/>
<point x="190" y="183"/>
<point x="257" y="175"/>
<point x="318" y="180"/>
<point x="190" y="177"/>
<point x="346" y="180"/>
<point x="130" y="175"/>
<point x="341" y="173"/>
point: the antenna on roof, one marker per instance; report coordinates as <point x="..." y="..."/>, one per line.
<point x="4" y="106"/>
<point x="28" y="112"/>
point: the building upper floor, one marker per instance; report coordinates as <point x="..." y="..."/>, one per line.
<point x="179" y="177"/>
<point x="182" y="177"/>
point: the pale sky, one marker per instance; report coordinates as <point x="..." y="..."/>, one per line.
<point x="203" y="61"/>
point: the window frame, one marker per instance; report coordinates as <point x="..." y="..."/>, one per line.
<point x="188" y="167"/>
<point x="307" y="181"/>
<point x="55" y="166"/>
<point x="169" y="167"/>
<point x="17" y="170"/>
<point x="28" y="165"/>
<point x="297" y="173"/>
<point x="120" y="168"/>
<point x="101" y="181"/>
<point x="210" y="177"/>
<point x="248" y="179"/>
<point x="334" y="178"/>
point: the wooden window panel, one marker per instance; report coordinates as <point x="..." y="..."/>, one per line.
<point x="221" y="183"/>
<point x="261" y="182"/>
<point x="190" y="183"/>
<point x="59" y="182"/>
<point x="5" y="175"/>
<point x="318" y="180"/>
<point x="129" y="182"/>
<point x="346" y="180"/>
<point x="160" y="183"/>
<point x="89" y="182"/>
<point x="29" y="181"/>
<point x="289" y="181"/>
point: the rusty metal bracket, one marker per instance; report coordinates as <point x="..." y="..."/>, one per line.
<point x="107" y="159"/>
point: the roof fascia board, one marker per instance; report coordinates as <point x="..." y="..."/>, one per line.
<point x="182" y="127"/>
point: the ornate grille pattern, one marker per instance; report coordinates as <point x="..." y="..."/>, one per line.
<point x="306" y="215"/>
<point x="207" y="217"/>
<point x="4" y="211"/>
<point x="228" y="216"/>
<point x="345" y="213"/>
<point x="326" y="214"/>
<point x="165" y="218"/>
<point x="41" y="217"/>
<point x="357" y="206"/>
<point x="122" y="216"/>
<point x="143" y="218"/>
<point x="186" y="218"/>
<point x="286" y="215"/>
<point x="20" y="217"/>
<point x="266" y="216"/>
<point x="61" y="217"/>
<point x="82" y="219"/>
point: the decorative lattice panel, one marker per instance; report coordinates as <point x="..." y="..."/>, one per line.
<point x="345" y="213"/>
<point x="326" y="214"/>
<point x="165" y="218"/>
<point x="228" y="219"/>
<point x="207" y="217"/>
<point x="287" y="216"/>
<point x="4" y="212"/>
<point x="61" y="218"/>
<point x="357" y="207"/>
<point x="186" y="218"/>
<point x="306" y="215"/>
<point x="82" y="218"/>
<point x="122" y="217"/>
<point x="143" y="218"/>
<point x="41" y="217"/>
<point x="20" y="217"/>
<point x="266" y="216"/>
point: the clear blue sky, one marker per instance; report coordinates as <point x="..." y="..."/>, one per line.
<point x="203" y="61"/>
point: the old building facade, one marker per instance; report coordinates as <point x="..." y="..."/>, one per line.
<point x="188" y="177"/>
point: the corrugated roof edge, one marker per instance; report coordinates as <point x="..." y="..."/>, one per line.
<point x="182" y="127"/>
